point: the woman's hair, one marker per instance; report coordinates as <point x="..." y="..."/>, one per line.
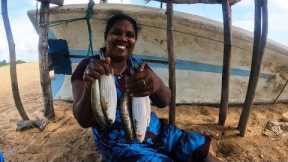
<point x="119" y="17"/>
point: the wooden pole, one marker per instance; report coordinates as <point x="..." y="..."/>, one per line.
<point x="43" y="61"/>
<point x="260" y="38"/>
<point x="12" y="54"/>
<point x="171" y="59"/>
<point x="226" y="8"/>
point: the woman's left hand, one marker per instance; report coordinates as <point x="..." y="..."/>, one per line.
<point x="144" y="82"/>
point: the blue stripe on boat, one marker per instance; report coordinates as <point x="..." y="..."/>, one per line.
<point x="159" y="62"/>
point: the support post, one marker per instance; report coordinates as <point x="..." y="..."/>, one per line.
<point x="12" y="54"/>
<point x="260" y="38"/>
<point x="43" y="61"/>
<point x="226" y="9"/>
<point x="171" y="59"/>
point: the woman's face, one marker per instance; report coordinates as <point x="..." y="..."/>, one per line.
<point x="120" y="40"/>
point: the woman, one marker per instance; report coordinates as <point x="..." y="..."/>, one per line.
<point x="162" y="142"/>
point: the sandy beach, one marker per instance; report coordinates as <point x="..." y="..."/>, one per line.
<point x="64" y="140"/>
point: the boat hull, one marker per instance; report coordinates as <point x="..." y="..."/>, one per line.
<point x="198" y="48"/>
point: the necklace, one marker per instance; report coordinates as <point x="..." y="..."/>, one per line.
<point x="122" y="72"/>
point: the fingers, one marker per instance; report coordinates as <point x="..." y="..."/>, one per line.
<point x="87" y="78"/>
<point x="142" y="88"/>
<point x="104" y="66"/>
<point x="105" y="63"/>
<point x="142" y="67"/>
<point x="138" y="80"/>
<point x="141" y="73"/>
<point x="141" y="83"/>
<point x="96" y="68"/>
<point x="107" y="60"/>
<point x="144" y="82"/>
<point x="141" y="94"/>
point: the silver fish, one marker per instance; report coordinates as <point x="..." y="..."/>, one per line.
<point x="108" y="96"/>
<point x="125" y="116"/>
<point x="141" y="110"/>
<point x="96" y="106"/>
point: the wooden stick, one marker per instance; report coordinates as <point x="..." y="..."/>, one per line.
<point x="251" y="85"/>
<point x="226" y="8"/>
<point x="260" y="39"/>
<point x="171" y="59"/>
<point x="281" y="91"/>
<point x="43" y="61"/>
<point x="231" y="2"/>
<point x="12" y="54"/>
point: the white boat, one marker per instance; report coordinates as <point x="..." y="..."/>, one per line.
<point x="198" y="49"/>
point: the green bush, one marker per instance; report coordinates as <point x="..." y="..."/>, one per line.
<point x="4" y="62"/>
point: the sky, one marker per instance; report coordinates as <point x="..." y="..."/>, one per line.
<point x="26" y="39"/>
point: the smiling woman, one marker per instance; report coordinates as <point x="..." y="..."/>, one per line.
<point x="120" y="39"/>
<point x="161" y="142"/>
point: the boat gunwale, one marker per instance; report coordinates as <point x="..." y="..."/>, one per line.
<point x="203" y="23"/>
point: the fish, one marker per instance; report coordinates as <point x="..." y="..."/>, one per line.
<point x="108" y="97"/>
<point x="141" y="110"/>
<point x="126" y="116"/>
<point x="96" y="106"/>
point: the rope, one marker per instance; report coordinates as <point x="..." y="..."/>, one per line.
<point x="37" y="12"/>
<point x="88" y="14"/>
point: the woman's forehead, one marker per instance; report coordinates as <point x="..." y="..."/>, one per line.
<point x="123" y="24"/>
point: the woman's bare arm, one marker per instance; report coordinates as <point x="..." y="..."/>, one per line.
<point x="81" y="106"/>
<point x="162" y="96"/>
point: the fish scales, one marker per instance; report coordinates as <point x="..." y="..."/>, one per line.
<point x="108" y="95"/>
<point x="96" y="105"/>
<point x="141" y="110"/>
<point x="126" y="117"/>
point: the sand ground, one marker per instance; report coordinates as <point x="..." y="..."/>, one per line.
<point x="64" y="140"/>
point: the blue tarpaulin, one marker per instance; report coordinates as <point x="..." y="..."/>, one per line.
<point x="58" y="52"/>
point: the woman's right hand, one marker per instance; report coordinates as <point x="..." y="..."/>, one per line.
<point x="96" y="68"/>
